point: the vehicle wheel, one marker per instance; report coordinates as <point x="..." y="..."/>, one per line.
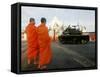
<point x="83" y="41"/>
<point x="74" y="41"/>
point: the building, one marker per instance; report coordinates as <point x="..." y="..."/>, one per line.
<point x="55" y="28"/>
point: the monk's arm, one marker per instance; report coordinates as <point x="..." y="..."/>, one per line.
<point x="49" y="39"/>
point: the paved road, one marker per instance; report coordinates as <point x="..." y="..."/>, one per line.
<point x="66" y="56"/>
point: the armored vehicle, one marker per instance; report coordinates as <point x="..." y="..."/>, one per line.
<point x="73" y="35"/>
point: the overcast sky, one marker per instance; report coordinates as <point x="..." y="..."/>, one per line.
<point x="67" y="16"/>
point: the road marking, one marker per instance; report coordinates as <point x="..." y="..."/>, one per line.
<point x="77" y="57"/>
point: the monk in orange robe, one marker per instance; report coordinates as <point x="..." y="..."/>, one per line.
<point x="32" y="44"/>
<point x="44" y="42"/>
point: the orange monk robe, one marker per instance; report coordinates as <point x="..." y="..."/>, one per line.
<point x="44" y="45"/>
<point x="32" y="44"/>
